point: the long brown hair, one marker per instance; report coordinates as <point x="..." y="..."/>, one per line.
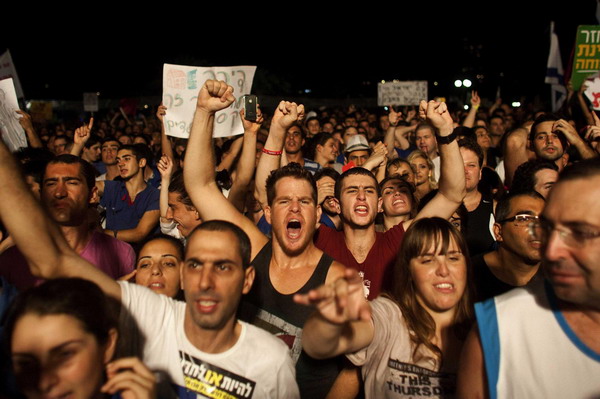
<point x="420" y="236"/>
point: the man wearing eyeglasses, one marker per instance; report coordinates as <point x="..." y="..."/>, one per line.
<point x="544" y="340"/>
<point x="517" y="259"/>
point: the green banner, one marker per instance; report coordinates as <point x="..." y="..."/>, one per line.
<point x="587" y="54"/>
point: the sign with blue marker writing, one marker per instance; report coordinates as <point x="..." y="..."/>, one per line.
<point x="181" y="85"/>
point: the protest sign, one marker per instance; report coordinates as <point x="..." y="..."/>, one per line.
<point x="586" y="60"/>
<point x="592" y="90"/>
<point x="180" y="91"/>
<point x="401" y="93"/>
<point x="90" y="102"/>
<point x="8" y="70"/>
<point x="12" y="132"/>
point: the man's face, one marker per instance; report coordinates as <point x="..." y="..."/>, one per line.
<point x="293" y="140"/>
<point x="109" y="152"/>
<point x="60" y="146"/>
<point x="359" y="157"/>
<point x="328" y="127"/>
<point x="426" y="142"/>
<point x="186" y="218"/>
<point x="128" y="163"/>
<point x="359" y="200"/>
<point x="93" y="153"/>
<point x="65" y="194"/>
<point x="384" y="123"/>
<point x="330" y="205"/>
<point x="546" y="144"/>
<point x="472" y="169"/>
<point x="350" y="121"/>
<point x="396" y="198"/>
<point x="571" y="262"/>
<point x="514" y="235"/>
<point x="293" y="214"/>
<point x="497" y="127"/>
<point x="213" y="279"/>
<point x="544" y="180"/>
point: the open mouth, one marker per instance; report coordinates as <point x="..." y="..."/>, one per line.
<point x="206" y="305"/>
<point x="444" y="287"/>
<point x="293" y="228"/>
<point x="156" y="286"/>
<point x="361" y="210"/>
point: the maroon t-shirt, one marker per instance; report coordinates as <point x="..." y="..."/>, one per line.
<point x="378" y="263"/>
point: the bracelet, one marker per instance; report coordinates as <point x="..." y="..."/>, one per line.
<point x="269" y="152"/>
<point x="115" y="232"/>
<point x="446" y="139"/>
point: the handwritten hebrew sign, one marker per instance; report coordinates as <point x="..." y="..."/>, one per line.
<point x="587" y="54"/>
<point x="401" y="93"/>
<point x="10" y="128"/>
<point x="180" y="90"/>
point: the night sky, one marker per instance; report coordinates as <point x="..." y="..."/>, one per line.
<point x="333" y="53"/>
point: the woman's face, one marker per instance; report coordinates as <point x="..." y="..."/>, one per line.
<point x="54" y="357"/>
<point x="422" y="170"/>
<point x="158" y="267"/>
<point x="439" y="279"/>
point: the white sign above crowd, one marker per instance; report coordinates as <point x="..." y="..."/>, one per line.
<point x="401" y="93"/>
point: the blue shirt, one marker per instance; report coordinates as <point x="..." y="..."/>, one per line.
<point x="121" y="213"/>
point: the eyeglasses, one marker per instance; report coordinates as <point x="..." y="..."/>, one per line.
<point x="574" y="237"/>
<point x="521" y="220"/>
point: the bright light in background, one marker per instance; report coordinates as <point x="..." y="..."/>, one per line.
<point x="466" y="106"/>
<point x="98" y="94"/>
<point x="383" y="81"/>
<point x="435" y="83"/>
<point x="28" y="105"/>
<point x="307" y="91"/>
<point x="516" y="104"/>
<point x="146" y="106"/>
<point x="466" y="83"/>
<point x="457" y="83"/>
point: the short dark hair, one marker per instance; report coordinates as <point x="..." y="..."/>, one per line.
<point x="329" y="172"/>
<point x="86" y="168"/>
<point x="580" y="170"/>
<point x="353" y="172"/>
<point x="503" y="207"/>
<point x="294" y="170"/>
<point x="110" y="138"/>
<point x="93" y="140"/>
<point x="161" y="236"/>
<point x="73" y="297"/>
<point x="524" y="178"/>
<point x="244" y="245"/>
<point x="472" y="145"/>
<point x="141" y="151"/>
<point x="177" y="185"/>
<point x="547" y="117"/>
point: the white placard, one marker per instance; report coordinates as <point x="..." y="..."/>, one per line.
<point x="8" y="70"/>
<point x="180" y="90"/>
<point x="12" y="132"/>
<point x="401" y="93"/>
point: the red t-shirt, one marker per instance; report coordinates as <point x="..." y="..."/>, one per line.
<point x="378" y="263"/>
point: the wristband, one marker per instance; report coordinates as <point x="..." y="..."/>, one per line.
<point x="446" y="139"/>
<point x="269" y="152"/>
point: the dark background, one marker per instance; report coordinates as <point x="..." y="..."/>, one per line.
<point x="341" y="51"/>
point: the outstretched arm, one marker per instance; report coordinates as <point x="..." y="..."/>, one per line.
<point x="199" y="171"/>
<point x="165" y="143"/>
<point x="37" y="236"/>
<point x="246" y="164"/>
<point x="475" y="103"/>
<point x="452" y="180"/>
<point x="285" y="115"/>
<point x="341" y="322"/>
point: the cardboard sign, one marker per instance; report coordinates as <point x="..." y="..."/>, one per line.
<point x="401" y="93"/>
<point x="12" y="132"/>
<point x="90" y="102"/>
<point x="180" y="91"/>
<point x="586" y="60"/>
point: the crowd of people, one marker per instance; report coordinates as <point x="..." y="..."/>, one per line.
<point x="413" y="251"/>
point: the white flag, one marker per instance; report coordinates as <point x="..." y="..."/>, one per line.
<point x="554" y="72"/>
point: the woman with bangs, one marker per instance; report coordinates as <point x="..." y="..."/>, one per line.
<point x="424" y="173"/>
<point x="408" y="341"/>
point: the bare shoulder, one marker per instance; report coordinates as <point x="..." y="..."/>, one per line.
<point x="336" y="270"/>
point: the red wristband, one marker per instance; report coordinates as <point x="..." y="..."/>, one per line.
<point x="269" y="152"/>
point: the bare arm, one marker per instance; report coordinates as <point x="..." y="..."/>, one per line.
<point x="229" y="158"/>
<point x="471" y="380"/>
<point x="585" y="151"/>
<point x="44" y="247"/>
<point x="165" y="143"/>
<point x="144" y="227"/>
<point x="32" y="136"/>
<point x="342" y="321"/>
<point x="199" y="171"/>
<point x="165" y="168"/>
<point x="452" y="180"/>
<point x="80" y="137"/>
<point x="515" y="153"/>
<point x="246" y="163"/>
<point x="475" y="103"/>
<point x="285" y="115"/>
